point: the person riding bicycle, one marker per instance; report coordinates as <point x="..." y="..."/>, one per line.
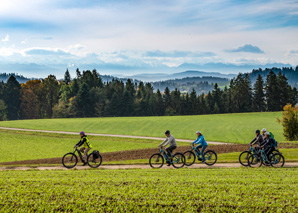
<point x="170" y="140"/>
<point x="264" y="130"/>
<point x="268" y="145"/>
<point x="86" y="148"/>
<point x="258" y="139"/>
<point x="201" y="143"/>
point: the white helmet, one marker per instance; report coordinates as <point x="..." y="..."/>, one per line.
<point x="267" y="133"/>
<point x="198" y="132"/>
<point x="264" y="130"/>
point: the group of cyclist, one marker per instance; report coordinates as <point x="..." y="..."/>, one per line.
<point x="170" y="140"/>
<point x="264" y="141"/>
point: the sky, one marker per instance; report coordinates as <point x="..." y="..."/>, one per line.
<point x="117" y="37"/>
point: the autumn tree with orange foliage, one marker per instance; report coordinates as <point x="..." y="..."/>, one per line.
<point x="289" y="122"/>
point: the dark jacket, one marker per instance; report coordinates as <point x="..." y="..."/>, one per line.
<point x="257" y="140"/>
<point x="268" y="143"/>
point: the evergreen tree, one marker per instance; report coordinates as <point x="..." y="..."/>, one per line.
<point x="217" y="99"/>
<point x="50" y="89"/>
<point x="67" y="78"/>
<point x="167" y="98"/>
<point x="79" y="75"/>
<point x="12" y="98"/>
<point x="272" y="93"/>
<point x="176" y="101"/>
<point x="258" y="97"/>
<point x="159" y="104"/>
<point x="84" y="109"/>
<point x="284" y="90"/>
<point x="193" y="102"/>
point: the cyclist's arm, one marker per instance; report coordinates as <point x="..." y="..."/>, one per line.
<point x="80" y="143"/>
<point x="164" y="142"/>
<point x="195" y="142"/>
<point x="252" y="142"/>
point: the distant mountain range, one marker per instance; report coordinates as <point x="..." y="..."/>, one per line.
<point x="179" y="75"/>
<point x="21" y="79"/>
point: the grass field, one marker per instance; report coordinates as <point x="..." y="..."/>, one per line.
<point x="185" y="190"/>
<point x="238" y="128"/>
<point x="20" y="146"/>
<point x="16" y="146"/>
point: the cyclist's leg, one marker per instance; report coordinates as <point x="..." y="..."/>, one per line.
<point x="202" y="151"/>
<point x="170" y="149"/>
<point x="198" y="149"/>
<point x="85" y="157"/>
<point x="82" y="149"/>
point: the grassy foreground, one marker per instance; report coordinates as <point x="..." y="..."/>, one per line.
<point x="238" y="128"/>
<point x="185" y="190"/>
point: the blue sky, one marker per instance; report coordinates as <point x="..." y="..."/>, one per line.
<point x="130" y="37"/>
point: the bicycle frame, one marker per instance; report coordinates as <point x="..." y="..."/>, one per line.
<point x="79" y="153"/>
<point x="195" y="151"/>
<point x="165" y="155"/>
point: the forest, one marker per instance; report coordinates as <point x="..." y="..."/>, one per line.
<point x="87" y="95"/>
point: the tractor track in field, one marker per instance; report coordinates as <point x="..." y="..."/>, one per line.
<point x="113" y="167"/>
<point x="105" y="135"/>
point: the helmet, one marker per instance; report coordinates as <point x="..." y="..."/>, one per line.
<point x="198" y="132"/>
<point x="167" y="132"/>
<point x="267" y="133"/>
<point x="82" y="133"/>
<point x="258" y="131"/>
<point x="264" y="130"/>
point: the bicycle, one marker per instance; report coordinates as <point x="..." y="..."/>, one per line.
<point x="243" y="157"/>
<point x="157" y="160"/>
<point x="70" y="159"/>
<point x="191" y="155"/>
<point x="275" y="159"/>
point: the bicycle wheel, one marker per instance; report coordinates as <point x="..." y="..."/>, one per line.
<point x="243" y="158"/>
<point x="94" y="162"/>
<point x="156" y="160"/>
<point x="178" y="160"/>
<point x="69" y="160"/>
<point x="210" y="157"/>
<point x="277" y="160"/>
<point x="190" y="158"/>
<point x="255" y="161"/>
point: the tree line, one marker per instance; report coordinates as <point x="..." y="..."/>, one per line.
<point x="87" y="96"/>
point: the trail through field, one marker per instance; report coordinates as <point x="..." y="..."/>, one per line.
<point x="105" y="135"/>
<point x="195" y="166"/>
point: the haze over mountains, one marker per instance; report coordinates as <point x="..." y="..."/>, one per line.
<point x="140" y="71"/>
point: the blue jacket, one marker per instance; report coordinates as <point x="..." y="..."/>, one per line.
<point x="201" y="141"/>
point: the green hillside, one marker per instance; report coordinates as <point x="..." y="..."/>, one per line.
<point x="238" y="128"/>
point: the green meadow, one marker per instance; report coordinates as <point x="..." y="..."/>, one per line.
<point x="148" y="190"/>
<point x="235" y="128"/>
<point x="18" y="146"/>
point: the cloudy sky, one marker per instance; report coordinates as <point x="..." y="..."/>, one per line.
<point x="134" y="36"/>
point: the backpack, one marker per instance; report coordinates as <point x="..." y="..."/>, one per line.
<point x="274" y="143"/>
<point x="95" y="154"/>
<point x="271" y="135"/>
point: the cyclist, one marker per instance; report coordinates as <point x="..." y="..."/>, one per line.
<point x="201" y="143"/>
<point x="268" y="145"/>
<point x="264" y="131"/>
<point x="86" y="148"/>
<point x="170" y="140"/>
<point x="258" y="139"/>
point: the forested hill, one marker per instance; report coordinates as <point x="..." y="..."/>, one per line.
<point x="290" y="73"/>
<point x="21" y="79"/>
<point x="199" y="84"/>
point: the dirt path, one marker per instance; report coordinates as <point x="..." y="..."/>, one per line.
<point x="106" y="135"/>
<point x="195" y="166"/>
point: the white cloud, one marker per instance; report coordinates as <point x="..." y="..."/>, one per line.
<point x="6" y="39"/>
